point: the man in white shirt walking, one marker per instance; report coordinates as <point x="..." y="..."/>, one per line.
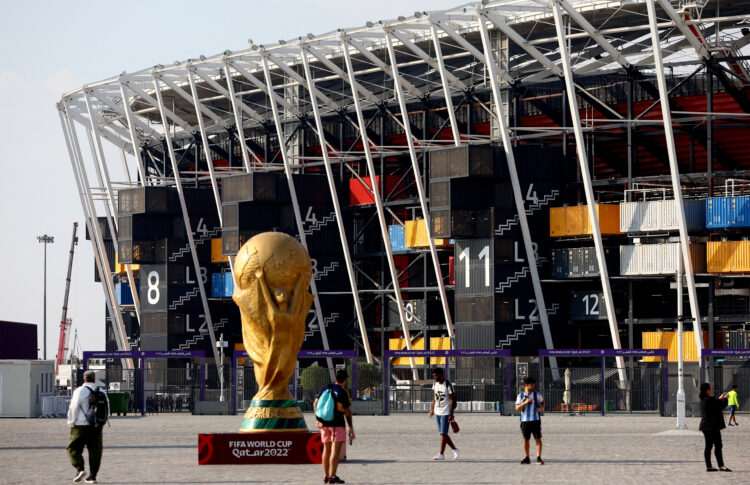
<point x="443" y="403"/>
<point x="82" y="432"/>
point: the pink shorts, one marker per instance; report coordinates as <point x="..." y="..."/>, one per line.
<point x="331" y="434"/>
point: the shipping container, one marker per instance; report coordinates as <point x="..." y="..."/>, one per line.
<point x="397" y="237"/>
<point x="574" y="220"/>
<point x="728" y="212"/>
<point x="447" y="223"/>
<point x="254" y="187"/>
<point x="471" y="336"/>
<point x="144" y="200"/>
<point x="737" y="339"/>
<point x="452" y="270"/>
<point x="18" y="340"/>
<point x="124" y="295"/>
<point x="257" y="216"/>
<point x="400" y="344"/>
<point x="659" y="259"/>
<point x="661" y="215"/>
<point x="461" y="193"/>
<point x="416" y="235"/>
<point x="23" y="386"/>
<point x="728" y="256"/>
<point x="582" y="263"/>
<point x="361" y="194"/>
<point x="440" y="343"/>
<point x="463" y="161"/>
<point x="216" y="256"/>
<point x="669" y="341"/>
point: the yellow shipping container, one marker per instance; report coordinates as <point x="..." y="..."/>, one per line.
<point x="574" y="220"/>
<point x="400" y="344"/>
<point x="416" y="235"/>
<point x="216" y="256"/>
<point x="439" y="343"/>
<point x="668" y="340"/>
<point x="728" y="256"/>
<point x="120" y="268"/>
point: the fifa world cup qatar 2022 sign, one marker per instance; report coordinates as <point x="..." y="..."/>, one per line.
<point x="272" y="274"/>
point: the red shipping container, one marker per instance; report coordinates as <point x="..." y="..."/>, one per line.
<point x="452" y="270"/>
<point x="359" y="194"/>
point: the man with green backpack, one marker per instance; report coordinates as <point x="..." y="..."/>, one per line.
<point x="332" y="410"/>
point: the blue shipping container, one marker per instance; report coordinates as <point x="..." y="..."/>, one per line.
<point x="124" y="295"/>
<point x="222" y="285"/>
<point x="728" y="212"/>
<point x="228" y="285"/>
<point x="217" y="285"/>
<point x="397" y="237"/>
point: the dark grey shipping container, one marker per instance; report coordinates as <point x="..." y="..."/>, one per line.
<point x="253" y="215"/>
<point x="470" y="336"/>
<point x="461" y="193"/>
<point x="109" y="247"/>
<point x="475" y="309"/>
<point x="581" y="263"/>
<point x="18" y="340"/>
<point x="448" y="223"/>
<point x="257" y="187"/>
<point x="103" y="229"/>
<point x="463" y="161"/>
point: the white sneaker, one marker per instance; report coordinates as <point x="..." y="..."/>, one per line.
<point x="80" y="476"/>
<point x="438" y="457"/>
<point x="456" y="454"/>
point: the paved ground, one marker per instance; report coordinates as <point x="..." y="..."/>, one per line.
<point x="395" y="449"/>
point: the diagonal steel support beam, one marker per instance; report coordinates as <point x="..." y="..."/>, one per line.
<point x="675" y="172"/>
<point x="399" y="88"/>
<point x="295" y="203"/>
<point x="378" y="203"/>
<point x="186" y="220"/>
<point x="505" y="132"/>
<point x="336" y="206"/>
<point x="588" y="190"/>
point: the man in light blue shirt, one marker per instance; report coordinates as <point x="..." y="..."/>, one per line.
<point x="530" y="403"/>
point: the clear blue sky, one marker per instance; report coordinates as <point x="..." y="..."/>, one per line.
<point x="52" y="47"/>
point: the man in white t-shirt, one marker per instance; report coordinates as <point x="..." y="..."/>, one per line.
<point x="443" y="403"/>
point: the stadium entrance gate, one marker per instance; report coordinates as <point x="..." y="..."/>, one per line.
<point x="732" y="368"/>
<point x="593" y="384"/>
<point x="481" y="379"/>
<point x="158" y="389"/>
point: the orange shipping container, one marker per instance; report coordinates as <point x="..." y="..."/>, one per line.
<point x="574" y="220"/>
<point x="216" y="255"/>
<point x="439" y="343"/>
<point x="416" y="235"/>
<point x="728" y="256"/>
<point x="400" y="344"/>
<point x="668" y="340"/>
<point x="120" y="268"/>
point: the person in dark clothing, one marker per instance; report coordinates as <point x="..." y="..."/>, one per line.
<point x="712" y="422"/>
<point x="333" y="433"/>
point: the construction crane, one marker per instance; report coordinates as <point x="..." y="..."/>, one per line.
<point x="65" y="322"/>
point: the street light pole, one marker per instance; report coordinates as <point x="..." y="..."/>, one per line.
<point x="45" y="240"/>
<point x="221" y="344"/>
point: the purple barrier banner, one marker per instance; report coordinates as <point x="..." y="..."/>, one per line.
<point x="448" y="353"/>
<point x="726" y="352"/>
<point x="139" y="354"/>
<point x="309" y="354"/>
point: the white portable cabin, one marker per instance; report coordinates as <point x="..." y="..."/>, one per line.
<point x="23" y="386"/>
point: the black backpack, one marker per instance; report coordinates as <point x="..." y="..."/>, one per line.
<point x="98" y="408"/>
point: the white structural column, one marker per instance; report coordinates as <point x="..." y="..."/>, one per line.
<point x="89" y="209"/>
<point x="378" y="203"/>
<point x="204" y="139"/>
<point x="295" y="205"/>
<point x="418" y="179"/>
<point x="492" y="70"/>
<point x="588" y="188"/>
<point x="674" y="169"/>
<point x="133" y="135"/>
<point x="238" y="121"/>
<point x="97" y="152"/>
<point x="336" y="206"/>
<point x="444" y="81"/>
<point x="186" y="219"/>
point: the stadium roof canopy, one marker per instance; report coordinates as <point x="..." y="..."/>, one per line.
<point x="605" y="38"/>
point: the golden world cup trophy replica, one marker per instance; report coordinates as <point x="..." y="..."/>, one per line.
<point x="272" y="274"/>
